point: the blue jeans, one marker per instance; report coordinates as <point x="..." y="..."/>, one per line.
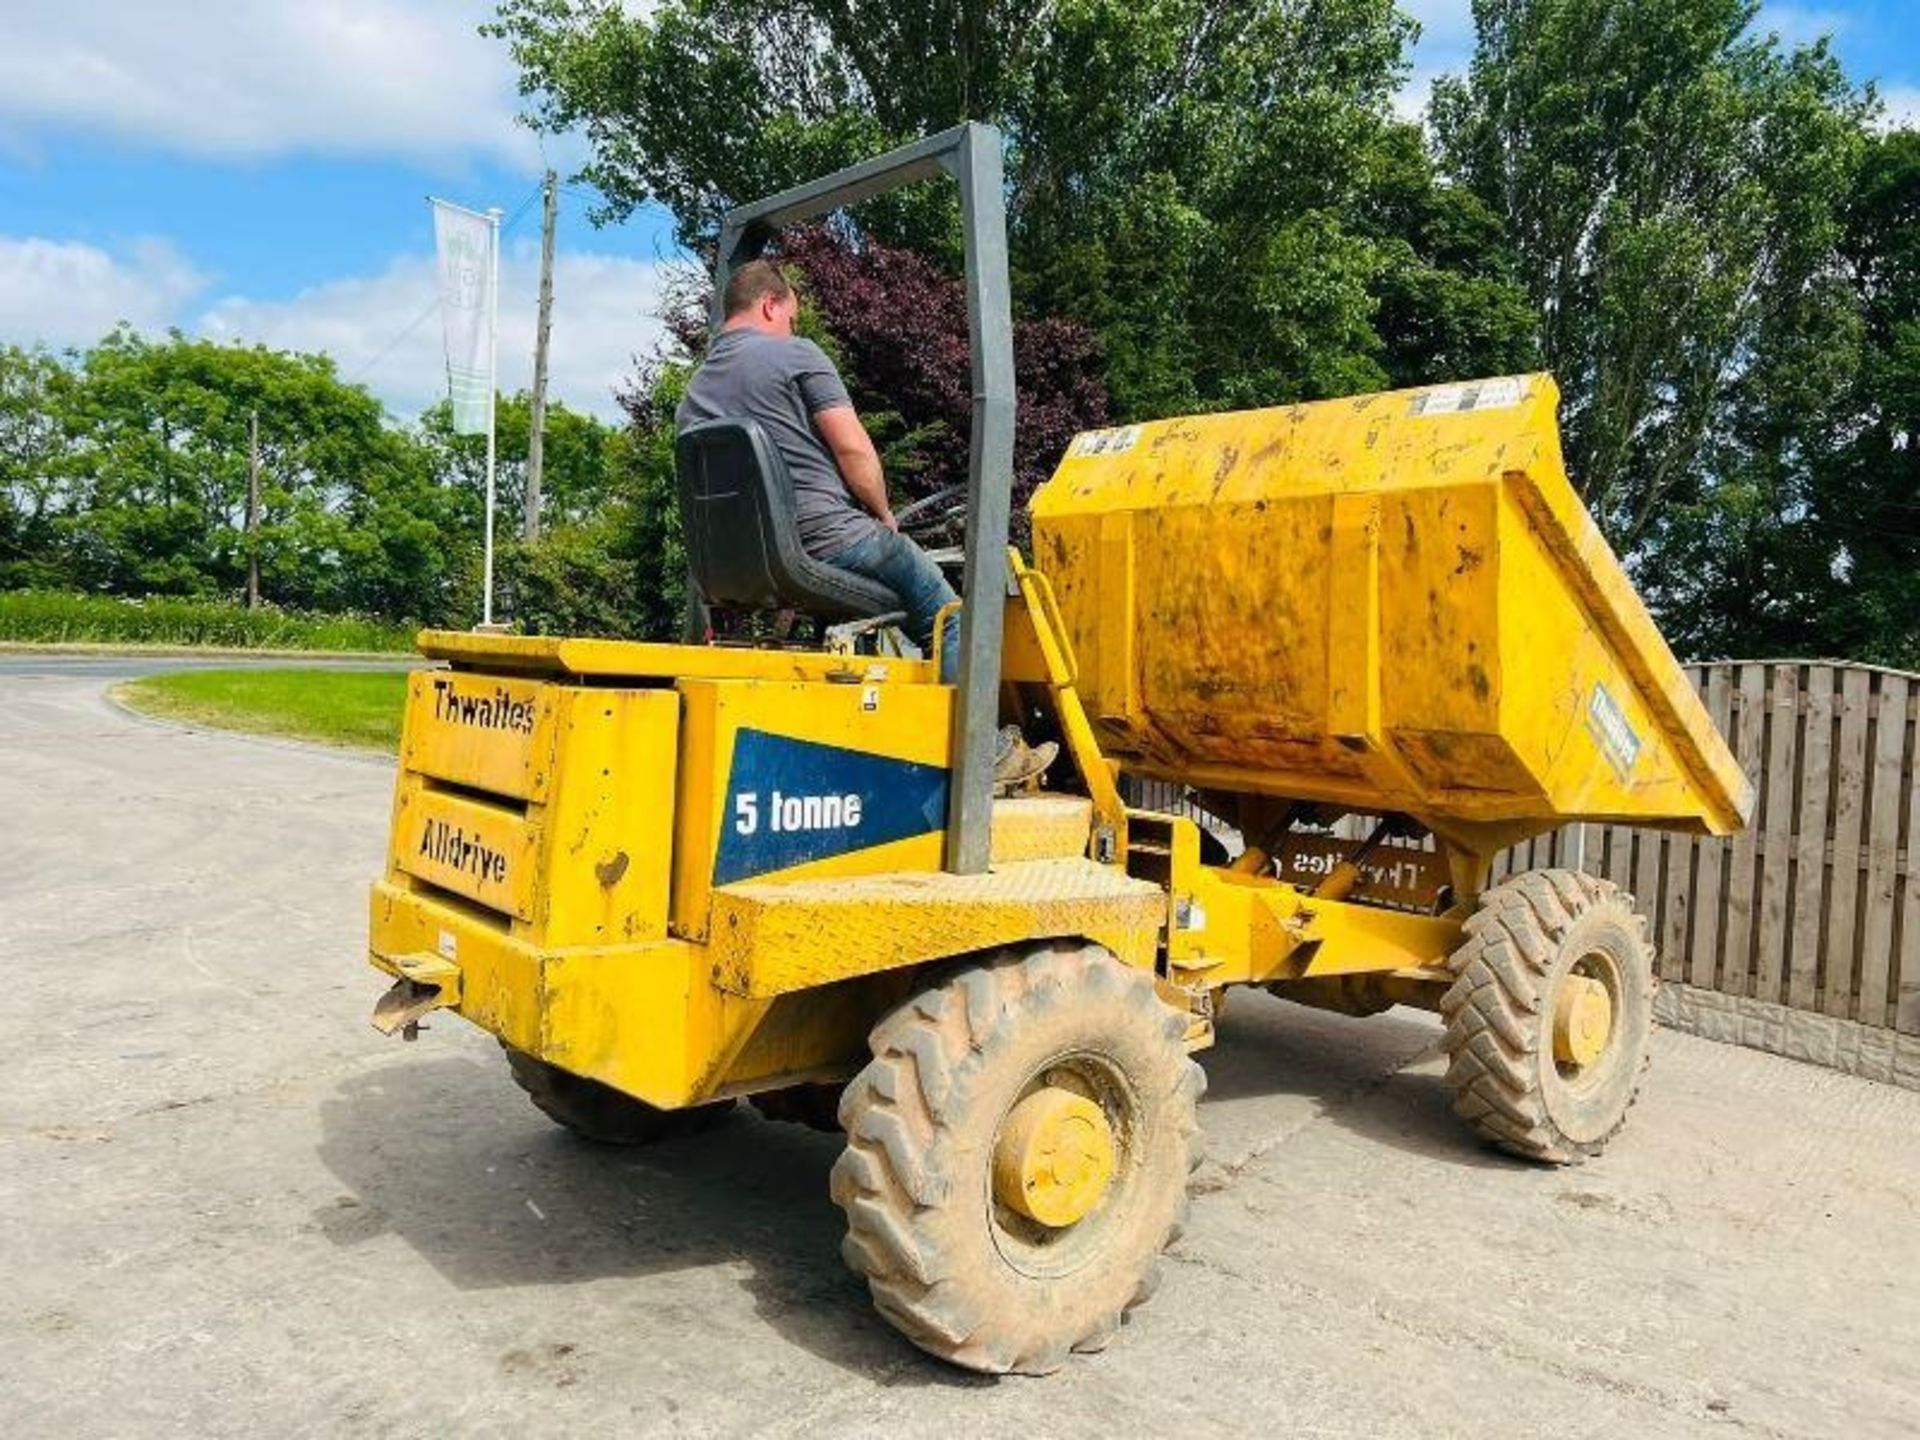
<point x="904" y="568"/>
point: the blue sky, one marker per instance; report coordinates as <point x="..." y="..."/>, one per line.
<point x="1877" y="40"/>
<point x="257" y="170"/>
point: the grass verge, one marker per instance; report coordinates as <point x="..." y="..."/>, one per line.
<point x="46" y="617"/>
<point x="358" y="708"/>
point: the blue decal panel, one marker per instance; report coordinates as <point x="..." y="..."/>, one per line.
<point x="794" y="801"/>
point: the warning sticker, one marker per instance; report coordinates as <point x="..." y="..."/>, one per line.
<point x="1502" y="394"/>
<point x="1608" y="726"/>
<point x="1107" y="442"/>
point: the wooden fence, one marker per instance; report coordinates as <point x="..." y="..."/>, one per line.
<point x="1816" y="904"/>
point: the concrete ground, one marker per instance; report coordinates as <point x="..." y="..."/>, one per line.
<point x="228" y="1207"/>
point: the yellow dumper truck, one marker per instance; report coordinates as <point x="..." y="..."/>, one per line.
<point x="671" y="876"/>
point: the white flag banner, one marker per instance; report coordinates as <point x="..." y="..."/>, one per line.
<point x="463" y="242"/>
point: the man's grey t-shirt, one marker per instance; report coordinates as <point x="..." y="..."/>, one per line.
<point x="783" y="381"/>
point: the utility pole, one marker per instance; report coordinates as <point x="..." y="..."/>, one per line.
<point x="253" y="510"/>
<point x="537" y="417"/>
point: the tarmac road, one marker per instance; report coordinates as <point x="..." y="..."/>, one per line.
<point x="228" y="1207"/>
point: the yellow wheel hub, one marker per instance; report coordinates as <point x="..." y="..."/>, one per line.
<point x="1582" y="1020"/>
<point x="1054" y="1158"/>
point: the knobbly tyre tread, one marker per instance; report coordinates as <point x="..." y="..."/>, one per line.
<point x="600" y="1113"/>
<point x="892" y="1180"/>
<point x="1492" y="1011"/>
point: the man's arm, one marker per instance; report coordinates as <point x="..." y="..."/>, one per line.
<point x="856" y="459"/>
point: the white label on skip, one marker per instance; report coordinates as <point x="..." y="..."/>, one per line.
<point x="1107" y="442"/>
<point x="1502" y="394"/>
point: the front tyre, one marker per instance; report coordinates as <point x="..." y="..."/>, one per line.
<point x="1017" y="1157"/>
<point x="1550" y="1014"/>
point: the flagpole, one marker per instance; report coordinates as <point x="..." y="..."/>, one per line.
<point x="457" y="233"/>
<point x="493" y="391"/>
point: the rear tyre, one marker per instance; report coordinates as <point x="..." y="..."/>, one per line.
<point x="1017" y="1157"/>
<point x="1550" y="1014"/>
<point x="600" y="1113"/>
<point x="815" y="1106"/>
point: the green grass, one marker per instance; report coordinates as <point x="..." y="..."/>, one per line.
<point x="50" y="617"/>
<point x="360" y="708"/>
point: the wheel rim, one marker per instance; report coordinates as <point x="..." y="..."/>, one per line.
<point x="1054" y="1158"/>
<point x="1073" y="1127"/>
<point x="1585" y="1019"/>
<point x="1582" y="1021"/>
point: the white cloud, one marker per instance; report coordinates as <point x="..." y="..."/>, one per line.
<point x="1410" y="101"/>
<point x="605" y="312"/>
<point x="1444" y="24"/>
<point x="1800" y="24"/>
<point x="263" y="77"/>
<point x="1444" y="47"/>
<point x="71" y="293"/>
<point x="1446" y="40"/>
<point x="1903" y="107"/>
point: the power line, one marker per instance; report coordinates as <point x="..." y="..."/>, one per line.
<point x="521" y="209"/>
<point x="391" y="345"/>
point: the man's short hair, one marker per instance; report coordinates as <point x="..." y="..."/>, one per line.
<point x="752" y="283"/>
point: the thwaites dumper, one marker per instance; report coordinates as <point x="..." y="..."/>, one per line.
<point x="670" y="876"/>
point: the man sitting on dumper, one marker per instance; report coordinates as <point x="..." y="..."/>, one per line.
<point x="757" y="368"/>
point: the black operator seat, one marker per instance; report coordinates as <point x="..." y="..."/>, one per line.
<point x="743" y="547"/>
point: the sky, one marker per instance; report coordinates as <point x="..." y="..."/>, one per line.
<point x="257" y="171"/>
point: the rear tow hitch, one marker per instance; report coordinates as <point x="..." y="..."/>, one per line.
<point x="426" y="982"/>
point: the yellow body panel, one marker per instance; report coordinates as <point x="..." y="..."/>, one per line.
<point x="1394" y="602"/>
<point x="487" y="732"/>
<point x="551" y="824"/>
<point x="771" y="937"/>
<point x="636" y="660"/>
<point x="907" y="724"/>
<point x="570" y="919"/>
<point x="482" y="852"/>
<point x="642" y="1018"/>
<point x="1040" y="827"/>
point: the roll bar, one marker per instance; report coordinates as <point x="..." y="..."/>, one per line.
<point x="971" y="154"/>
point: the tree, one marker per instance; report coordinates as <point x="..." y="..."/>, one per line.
<point x="1822" y="556"/>
<point x="1671" y="183"/>
<point x="1450" y="302"/>
<point x="897" y="325"/>
<point x="1648" y="197"/>
<point x="34" y="395"/>
<point x="1189" y="178"/>
<point x="1809" y="544"/>
<point x="607" y="561"/>
<point x="1868" y="496"/>
<point x="574" y="481"/>
<point x="642" y="474"/>
<point x="124" y="471"/>
<point x="1205" y="183"/>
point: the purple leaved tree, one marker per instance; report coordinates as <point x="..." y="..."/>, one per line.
<point x="898" y="325"/>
